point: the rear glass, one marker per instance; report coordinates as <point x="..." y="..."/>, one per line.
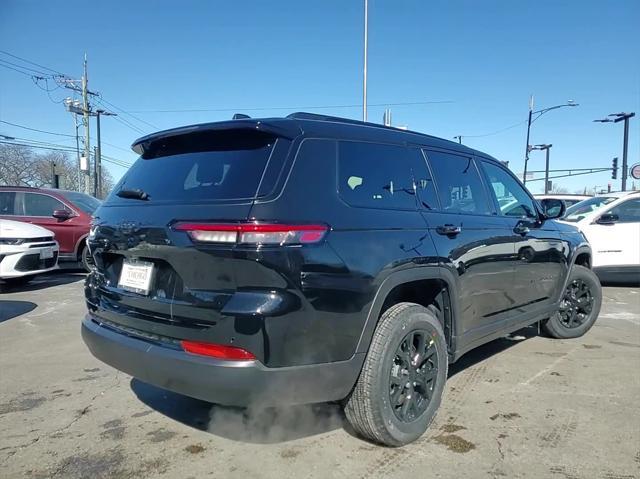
<point x="86" y="203"/>
<point x="200" y="168"/>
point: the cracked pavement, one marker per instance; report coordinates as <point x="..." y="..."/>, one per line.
<point x="520" y="407"/>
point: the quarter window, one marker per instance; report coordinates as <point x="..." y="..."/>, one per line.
<point x="7" y="203"/>
<point x="460" y="188"/>
<point x="383" y="176"/>
<point x="627" y="212"/>
<point x="40" y="205"/>
<point x="512" y="198"/>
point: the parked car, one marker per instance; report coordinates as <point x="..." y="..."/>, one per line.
<point x="310" y="258"/>
<point x="611" y="223"/>
<point x="66" y="213"/>
<point x="568" y="199"/>
<point x="25" y="251"/>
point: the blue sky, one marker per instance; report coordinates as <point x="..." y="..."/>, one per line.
<point x="483" y="58"/>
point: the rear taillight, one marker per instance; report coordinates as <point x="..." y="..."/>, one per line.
<point x="218" y="351"/>
<point x="253" y="233"/>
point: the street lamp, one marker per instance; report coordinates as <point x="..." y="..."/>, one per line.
<point x="531" y="120"/>
<point x="546" y="168"/>
<point x="617" y="117"/>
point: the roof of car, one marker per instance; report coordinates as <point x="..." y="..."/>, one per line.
<point x="33" y="188"/>
<point x="619" y="194"/>
<point x="311" y="124"/>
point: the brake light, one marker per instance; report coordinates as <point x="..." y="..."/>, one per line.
<point x="254" y="233"/>
<point x="218" y="351"/>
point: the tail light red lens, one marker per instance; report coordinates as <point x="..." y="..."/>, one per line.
<point x="218" y="351"/>
<point x="254" y="233"/>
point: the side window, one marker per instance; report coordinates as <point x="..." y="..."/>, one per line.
<point x="427" y="195"/>
<point x="460" y="188"/>
<point x="628" y="212"/>
<point x="375" y="176"/>
<point x="40" y="205"/>
<point x="7" y="202"/>
<point x="512" y="198"/>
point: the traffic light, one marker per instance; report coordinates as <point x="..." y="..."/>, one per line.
<point x="614" y="169"/>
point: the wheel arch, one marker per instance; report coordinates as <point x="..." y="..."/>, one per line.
<point x="404" y="286"/>
<point x="80" y="244"/>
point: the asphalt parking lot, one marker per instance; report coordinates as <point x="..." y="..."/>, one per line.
<point x="524" y="406"/>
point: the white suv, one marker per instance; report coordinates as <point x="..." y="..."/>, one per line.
<point x="25" y="250"/>
<point x="611" y="223"/>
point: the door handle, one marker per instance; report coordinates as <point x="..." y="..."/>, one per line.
<point x="521" y="229"/>
<point x="448" y="230"/>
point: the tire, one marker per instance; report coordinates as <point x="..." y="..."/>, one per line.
<point x="86" y="259"/>
<point x="579" y="306"/>
<point x="371" y="408"/>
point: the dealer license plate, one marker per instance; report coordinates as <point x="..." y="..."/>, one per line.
<point x="136" y="276"/>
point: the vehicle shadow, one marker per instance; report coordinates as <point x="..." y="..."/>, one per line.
<point x="261" y="425"/>
<point x="47" y="280"/>
<point x="12" y="309"/>
<point x="487" y="350"/>
<point x="258" y="425"/>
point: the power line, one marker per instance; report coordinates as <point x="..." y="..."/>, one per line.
<point x="32" y="63"/>
<point x="54" y="147"/>
<point x="35" y="129"/>
<point x="16" y="70"/>
<point x="495" y="132"/>
<point x="25" y="68"/>
<point x="102" y="100"/>
<point x="316" y="107"/>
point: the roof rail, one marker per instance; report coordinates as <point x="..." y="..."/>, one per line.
<point x="301" y="115"/>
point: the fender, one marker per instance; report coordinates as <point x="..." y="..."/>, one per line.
<point x="78" y="243"/>
<point x="583" y="247"/>
<point x="406" y="276"/>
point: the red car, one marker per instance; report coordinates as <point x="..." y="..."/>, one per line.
<point x="66" y="213"/>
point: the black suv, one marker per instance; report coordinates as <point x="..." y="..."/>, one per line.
<point x="310" y="259"/>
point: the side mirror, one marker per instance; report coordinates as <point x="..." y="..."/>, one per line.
<point x="607" y="219"/>
<point x="553" y="208"/>
<point x="62" y="214"/>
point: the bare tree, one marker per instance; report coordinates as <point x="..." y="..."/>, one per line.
<point x="21" y="166"/>
<point x="559" y="190"/>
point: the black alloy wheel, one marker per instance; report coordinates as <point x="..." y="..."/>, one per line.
<point x="413" y="375"/>
<point x="577" y="304"/>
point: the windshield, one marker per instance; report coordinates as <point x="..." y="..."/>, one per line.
<point x="86" y="203"/>
<point x="586" y="207"/>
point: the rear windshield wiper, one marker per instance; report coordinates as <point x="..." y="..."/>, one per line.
<point x="135" y="194"/>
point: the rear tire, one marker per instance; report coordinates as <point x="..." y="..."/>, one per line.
<point x="400" y="387"/>
<point x="86" y="259"/>
<point x="579" y="306"/>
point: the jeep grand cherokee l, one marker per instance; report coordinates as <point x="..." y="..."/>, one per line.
<point x="310" y="259"/>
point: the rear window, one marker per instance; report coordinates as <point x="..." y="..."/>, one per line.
<point x="207" y="166"/>
<point x="86" y="203"/>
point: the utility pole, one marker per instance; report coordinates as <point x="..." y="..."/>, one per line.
<point x="366" y="42"/>
<point x="618" y="117"/>
<point x="97" y="164"/>
<point x="546" y="168"/>
<point x="85" y="119"/>
<point x="459" y="138"/>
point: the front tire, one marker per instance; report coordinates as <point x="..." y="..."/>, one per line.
<point x="402" y="380"/>
<point x="579" y="306"/>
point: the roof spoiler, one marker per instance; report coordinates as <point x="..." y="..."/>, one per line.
<point x="278" y="127"/>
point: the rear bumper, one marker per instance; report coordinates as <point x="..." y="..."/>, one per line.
<point x="231" y="383"/>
